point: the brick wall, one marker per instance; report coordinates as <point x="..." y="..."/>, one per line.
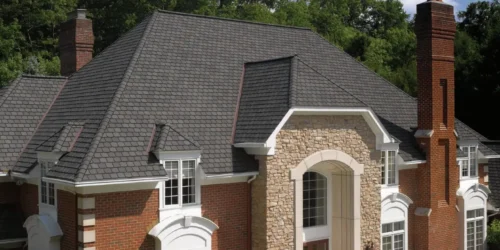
<point x="9" y="192"/>
<point x="29" y="199"/>
<point x="67" y="219"/>
<point x="482" y="174"/>
<point x="123" y="219"/>
<point x="408" y="186"/>
<point x="227" y="205"/>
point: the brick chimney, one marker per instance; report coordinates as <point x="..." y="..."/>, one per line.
<point x="436" y="218"/>
<point x="76" y="42"/>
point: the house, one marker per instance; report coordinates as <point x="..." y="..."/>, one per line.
<point x="195" y="132"/>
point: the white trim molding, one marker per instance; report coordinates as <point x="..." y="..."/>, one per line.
<point x="422" y="133"/>
<point x="395" y="209"/>
<point x="43" y="232"/>
<point x="348" y="178"/>
<point x="268" y="148"/>
<point x="187" y="231"/>
<point x="471" y="197"/>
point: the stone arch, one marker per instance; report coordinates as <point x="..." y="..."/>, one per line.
<point x="43" y="232"/>
<point x="184" y="233"/>
<point x="346" y="189"/>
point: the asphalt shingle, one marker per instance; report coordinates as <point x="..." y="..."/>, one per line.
<point x="186" y="70"/>
<point x="22" y="106"/>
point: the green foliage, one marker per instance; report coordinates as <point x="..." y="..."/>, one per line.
<point x="493" y="237"/>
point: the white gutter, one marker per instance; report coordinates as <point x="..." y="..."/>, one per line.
<point x="232" y="175"/>
<point x="414" y="162"/>
<point x="10" y="241"/>
<point x="105" y="182"/>
<point x="492" y="157"/>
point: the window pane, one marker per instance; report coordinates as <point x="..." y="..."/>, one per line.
<point x="479" y="234"/>
<point x="51" y="194"/>
<point x="382" y="168"/>
<point x="399" y="226"/>
<point x="387" y="243"/>
<point x="399" y="242"/>
<point x="473" y="161"/>
<point x="470" y="235"/>
<point x="44" y="192"/>
<point x="479" y="212"/>
<point x="188" y="182"/>
<point x="386" y="228"/>
<point x="171" y="192"/>
<point x="314" y="199"/>
<point x="172" y="169"/>
<point x="391" y="167"/>
<point x="471" y="214"/>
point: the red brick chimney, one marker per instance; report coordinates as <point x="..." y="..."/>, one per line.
<point x="76" y="42"/>
<point x="436" y="218"/>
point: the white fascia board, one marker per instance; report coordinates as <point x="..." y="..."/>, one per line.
<point x="105" y="182"/>
<point x="10" y="241"/>
<point x="21" y="175"/>
<point x="391" y="146"/>
<point x="473" y="143"/>
<point x="491" y="157"/>
<point x="3" y="174"/>
<point x="414" y="162"/>
<point x="176" y="155"/>
<point x="231" y="175"/>
<point x="367" y="113"/>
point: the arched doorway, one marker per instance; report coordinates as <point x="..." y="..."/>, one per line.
<point x="343" y="211"/>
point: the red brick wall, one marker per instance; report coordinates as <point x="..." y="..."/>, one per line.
<point x="123" y="219"/>
<point x="67" y="219"/>
<point x="9" y="192"/>
<point x="482" y="174"/>
<point x="76" y="42"/>
<point x="408" y="186"/>
<point x="438" y="179"/>
<point x="227" y="205"/>
<point x="29" y="199"/>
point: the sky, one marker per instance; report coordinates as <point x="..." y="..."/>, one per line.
<point x="410" y="5"/>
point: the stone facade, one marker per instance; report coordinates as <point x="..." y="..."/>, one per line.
<point x="273" y="198"/>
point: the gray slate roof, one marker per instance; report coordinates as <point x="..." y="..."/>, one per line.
<point x="22" y="106"/>
<point x="271" y="88"/>
<point x="166" y="138"/>
<point x="186" y="70"/>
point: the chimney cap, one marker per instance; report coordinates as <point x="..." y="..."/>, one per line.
<point x="77" y="14"/>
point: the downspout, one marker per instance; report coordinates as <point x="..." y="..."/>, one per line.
<point x="249" y="212"/>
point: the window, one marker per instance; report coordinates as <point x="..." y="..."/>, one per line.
<point x="469" y="166"/>
<point x="314" y="199"/>
<point x="180" y="189"/>
<point x="47" y="190"/>
<point x="393" y="236"/>
<point x="475" y="229"/>
<point x="388" y="168"/>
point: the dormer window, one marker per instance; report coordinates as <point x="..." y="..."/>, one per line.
<point x="469" y="166"/>
<point x="388" y="167"/>
<point x="47" y="190"/>
<point x="182" y="187"/>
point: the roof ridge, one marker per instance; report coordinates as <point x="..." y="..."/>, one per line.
<point x="43" y="76"/>
<point x="182" y="135"/>
<point x="328" y="79"/>
<point x="230" y="19"/>
<point x="291" y="80"/>
<point x="82" y="171"/>
<point x="473" y="132"/>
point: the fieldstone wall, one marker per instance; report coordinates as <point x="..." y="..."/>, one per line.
<point x="273" y="191"/>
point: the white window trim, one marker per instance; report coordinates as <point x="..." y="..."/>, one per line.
<point x="394" y="233"/>
<point x="468" y="176"/>
<point x="48" y="183"/>
<point x="321" y="232"/>
<point x="395" y="201"/>
<point x="197" y="186"/>
<point x="386" y="168"/>
<point x="475" y="219"/>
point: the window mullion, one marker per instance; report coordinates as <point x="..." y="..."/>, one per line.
<point x="179" y="182"/>
<point x="386" y="167"/>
